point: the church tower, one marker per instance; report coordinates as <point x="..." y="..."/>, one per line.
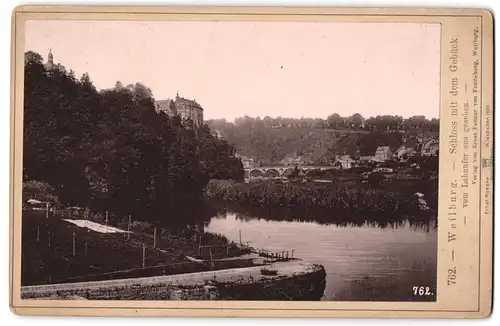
<point x="51" y="57"/>
<point x="50" y="66"/>
<point x="50" y="61"/>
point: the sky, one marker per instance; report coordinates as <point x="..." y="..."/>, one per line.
<point x="233" y="69"/>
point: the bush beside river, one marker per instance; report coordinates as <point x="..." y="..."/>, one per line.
<point x="343" y="200"/>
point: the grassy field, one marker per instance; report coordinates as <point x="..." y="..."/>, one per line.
<point x="48" y="257"/>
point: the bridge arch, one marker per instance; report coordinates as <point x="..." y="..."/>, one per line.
<point x="255" y="173"/>
<point x="288" y="171"/>
<point x="272" y="173"/>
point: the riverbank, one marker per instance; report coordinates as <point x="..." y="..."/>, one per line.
<point x="293" y="280"/>
<point x="56" y="250"/>
<point x="364" y="260"/>
<point x="373" y="203"/>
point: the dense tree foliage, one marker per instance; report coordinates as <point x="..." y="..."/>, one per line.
<point x="111" y="150"/>
<point x="335" y="121"/>
<point x="40" y="191"/>
<point x="269" y="143"/>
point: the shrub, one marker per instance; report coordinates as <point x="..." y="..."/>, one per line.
<point x="39" y="190"/>
<point x="339" y="199"/>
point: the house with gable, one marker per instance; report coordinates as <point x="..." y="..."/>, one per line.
<point x="410" y="147"/>
<point x="430" y="147"/>
<point x="383" y="153"/>
<point x="343" y="162"/>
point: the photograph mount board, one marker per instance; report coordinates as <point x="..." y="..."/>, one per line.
<point x="251" y="161"/>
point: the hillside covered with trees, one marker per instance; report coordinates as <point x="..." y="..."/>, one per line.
<point x="111" y="150"/>
<point x="269" y="140"/>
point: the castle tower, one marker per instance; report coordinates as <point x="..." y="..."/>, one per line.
<point x="50" y="66"/>
<point x="51" y="57"/>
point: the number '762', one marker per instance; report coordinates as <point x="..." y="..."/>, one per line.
<point x="421" y="290"/>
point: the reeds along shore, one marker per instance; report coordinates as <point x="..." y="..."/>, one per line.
<point x="372" y="202"/>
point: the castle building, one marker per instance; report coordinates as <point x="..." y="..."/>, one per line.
<point x="184" y="108"/>
<point x="167" y="106"/>
<point x="50" y="66"/>
<point x="50" y="62"/>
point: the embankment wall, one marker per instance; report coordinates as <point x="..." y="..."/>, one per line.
<point x="294" y="281"/>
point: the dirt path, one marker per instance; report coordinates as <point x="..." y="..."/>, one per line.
<point x="240" y="275"/>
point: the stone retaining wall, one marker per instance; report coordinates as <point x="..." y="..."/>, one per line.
<point x="294" y="281"/>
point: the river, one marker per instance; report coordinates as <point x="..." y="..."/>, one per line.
<point x="365" y="262"/>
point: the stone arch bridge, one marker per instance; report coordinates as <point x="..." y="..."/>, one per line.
<point x="280" y="171"/>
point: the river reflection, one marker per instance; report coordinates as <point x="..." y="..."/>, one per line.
<point x="364" y="260"/>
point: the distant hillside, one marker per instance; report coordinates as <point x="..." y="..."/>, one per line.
<point x="270" y="145"/>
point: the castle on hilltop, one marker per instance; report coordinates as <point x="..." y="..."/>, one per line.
<point x="184" y="108"/>
<point x="50" y="66"/>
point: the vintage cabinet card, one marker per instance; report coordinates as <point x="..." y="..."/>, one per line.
<point x="251" y="161"/>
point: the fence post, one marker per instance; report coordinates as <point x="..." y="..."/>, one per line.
<point x="74" y="243"/>
<point x="154" y="238"/>
<point x="47" y="210"/>
<point x="227" y="250"/>
<point x="292" y="253"/>
<point x="38" y="233"/>
<point x="129" y="222"/>
<point x="240" y="237"/>
<point x="106" y="221"/>
<point x="211" y="259"/>
<point x="143" y="255"/>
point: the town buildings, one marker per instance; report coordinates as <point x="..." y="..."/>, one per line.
<point x="217" y="134"/>
<point x="383" y="153"/>
<point x="343" y="162"/>
<point x="293" y="161"/>
<point x="430" y="147"/>
<point x="410" y="147"/>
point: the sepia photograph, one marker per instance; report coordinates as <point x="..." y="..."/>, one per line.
<point x="230" y="160"/>
<point x="251" y="162"/>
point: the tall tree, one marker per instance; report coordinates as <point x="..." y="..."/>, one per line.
<point x="112" y="151"/>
